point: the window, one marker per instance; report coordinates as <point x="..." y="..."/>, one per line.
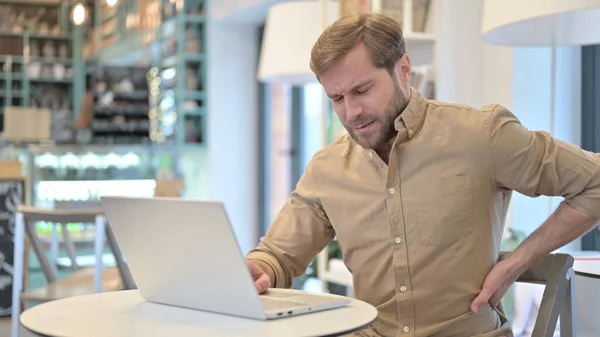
<point x="590" y="119"/>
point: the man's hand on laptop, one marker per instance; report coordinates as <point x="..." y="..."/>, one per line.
<point x="262" y="280"/>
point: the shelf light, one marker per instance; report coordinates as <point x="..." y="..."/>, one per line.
<point x="78" y="14"/>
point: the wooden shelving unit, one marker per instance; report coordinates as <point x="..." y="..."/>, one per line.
<point x="168" y="37"/>
<point x="40" y="62"/>
<point x="121" y="106"/>
<point x="182" y="72"/>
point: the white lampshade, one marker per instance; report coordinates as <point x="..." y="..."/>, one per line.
<point x="534" y="22"/>
<point x="291" y="30"/>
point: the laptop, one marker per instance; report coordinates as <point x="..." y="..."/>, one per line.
<point x="184" y="253"/>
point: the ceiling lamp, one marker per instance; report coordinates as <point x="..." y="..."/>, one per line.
<point x="291" y="30"/>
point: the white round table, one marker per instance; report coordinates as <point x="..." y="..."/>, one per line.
<point x="587" y="292"/>
<point x="587" y="266"/>
<point x="126" y="314"/>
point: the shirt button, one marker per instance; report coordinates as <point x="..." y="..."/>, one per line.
<point x="370" y="154"/>
<point x="403" y="289"/>
<point x="410" y="132"/>
<point x="392" y="190"/>
<point x="406" y="328"/>
<point x="398" y="239"/>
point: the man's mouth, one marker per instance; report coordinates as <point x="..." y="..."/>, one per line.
<point x="364" y="126"/>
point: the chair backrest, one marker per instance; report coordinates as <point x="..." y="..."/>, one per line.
<point x="556" y="272"/>
<point x="74" y="205"/>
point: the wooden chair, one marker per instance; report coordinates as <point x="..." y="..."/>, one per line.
<point x="555" y="271"/>
<point x="81" y="281"/>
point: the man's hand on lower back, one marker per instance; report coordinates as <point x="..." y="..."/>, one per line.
<point x="497" y="282"/>
<point x="563" y="226"/>
<point x="262" y="281"/>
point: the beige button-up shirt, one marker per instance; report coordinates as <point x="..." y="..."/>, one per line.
<point x="420" y="234"/>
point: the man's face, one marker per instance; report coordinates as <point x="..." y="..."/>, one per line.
<point x="366" y="99"/>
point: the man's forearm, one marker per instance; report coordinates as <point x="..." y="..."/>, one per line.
<point x="564" y="225"/>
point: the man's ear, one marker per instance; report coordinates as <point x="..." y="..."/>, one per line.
<point x="403" y="70"/>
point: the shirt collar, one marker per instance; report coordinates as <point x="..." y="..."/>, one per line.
<point x="411" y="119"/>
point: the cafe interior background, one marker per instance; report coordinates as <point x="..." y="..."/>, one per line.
<point x="213" y="99"/>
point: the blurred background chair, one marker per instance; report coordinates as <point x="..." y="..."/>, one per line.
<point x="82" y="280"/>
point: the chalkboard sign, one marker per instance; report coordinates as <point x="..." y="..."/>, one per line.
<point x="12" y="194"/>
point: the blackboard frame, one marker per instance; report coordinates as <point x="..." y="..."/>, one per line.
<point x="8" y="210"/>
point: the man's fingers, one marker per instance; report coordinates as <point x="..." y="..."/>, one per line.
<point x="267" y="281"/>
<point x="262" y="283"/>
<point x="494" y="300"/>
<point x="260" y="287"/>
<point x="481" y="299"/>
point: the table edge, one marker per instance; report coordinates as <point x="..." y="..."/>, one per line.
<point x="345" y="332"/>
<point x="336" y="334"/>
<point x="584" y="274"/>
<point x="37" y="334"/>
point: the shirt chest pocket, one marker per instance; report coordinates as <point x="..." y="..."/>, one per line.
<point x="444" y="210"/>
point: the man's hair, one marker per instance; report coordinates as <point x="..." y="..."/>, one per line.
<point x="380" y="34"/>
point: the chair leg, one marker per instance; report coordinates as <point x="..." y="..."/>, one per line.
<point x="126" y="277"/>
<point x="18" y="273"/>
<point x="568" y="326"/>
<point x="99" y="252"/>
<point x="70" y="247"/>
<point x="39" y="252"/>
<point x="54" y="248"/>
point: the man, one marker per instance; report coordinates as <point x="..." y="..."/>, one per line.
<point x="417" y="193"/>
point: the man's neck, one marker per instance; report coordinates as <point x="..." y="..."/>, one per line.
<point x="384" y="151"/>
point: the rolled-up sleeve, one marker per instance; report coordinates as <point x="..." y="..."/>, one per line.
<point x="299" y="232"/>
<point x="534" y="163"/>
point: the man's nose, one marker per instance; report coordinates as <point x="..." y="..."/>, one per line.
<point x="353" y="109"/>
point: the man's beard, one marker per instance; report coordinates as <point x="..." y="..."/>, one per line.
<point x="384" y="124"/>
